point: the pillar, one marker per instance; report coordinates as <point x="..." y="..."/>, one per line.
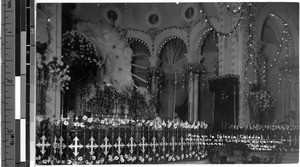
<point x="53" y="96"/>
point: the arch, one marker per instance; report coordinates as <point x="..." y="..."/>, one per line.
<point x="281" y="11"/>
<point x="141" y="36"/>
<point x="196" y="34"/>
<point x="168" y="34"/>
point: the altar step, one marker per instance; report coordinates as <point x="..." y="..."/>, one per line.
<point x="290" y="157"/>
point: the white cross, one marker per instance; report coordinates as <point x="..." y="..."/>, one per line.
<point x="131" y="145"/>
<point x="55" y="145"/>
<point x="143" y="144"/>
<point x="119" y="145"/>
<point x="173" y="143"/>
<point x="153" y="144"/>
<point x="163" y="143"/>
<point x="43" y="144"/>
<point x="198" y="143"/>
<point x="61" y="145"/>
<point x="92" y="145"/>
<point x="76" y="146"/>
<point x="106" y="145"/>
<point x="181" y="143"/>
<point x="190" y="143"/>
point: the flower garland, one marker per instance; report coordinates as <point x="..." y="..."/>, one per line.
<point x="192" y="68"/>
<point x="159" y="74"/>
<point x="95" y="122"/>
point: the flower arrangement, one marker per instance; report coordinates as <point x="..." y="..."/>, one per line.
<point x="80" y="54"/>
<point x="52" y="71"/>
<point x="263" y="103"/>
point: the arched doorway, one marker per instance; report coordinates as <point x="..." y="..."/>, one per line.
<point x="174" y="95"/>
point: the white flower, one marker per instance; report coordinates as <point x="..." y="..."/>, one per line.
<point x="90" y="120"/>
<point x="66" y="123"/>
<point x="80" y="158"/>
<point x="84" y="117"/>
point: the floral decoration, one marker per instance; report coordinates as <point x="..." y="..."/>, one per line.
<point x="51" y="70"/>
<point x="159" y="74"/>
<point x="79" y="53"/>
<point x="263" y="103"/>
<point x="192" y="68"/>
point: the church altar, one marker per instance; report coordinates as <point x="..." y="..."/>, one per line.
<point x="107" y="95"/>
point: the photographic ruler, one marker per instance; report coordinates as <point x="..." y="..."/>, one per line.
<point x="17" y="79"/>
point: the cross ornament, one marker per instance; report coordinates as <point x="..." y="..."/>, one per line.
<point x="106" y="145"/>
<point x="131" y="145"/>
<point x="76" y="146"/>
<point x="164" y="144"/>
<point x="181" y="143"/>
<point x="91" y="145"/>
<point x="198" y="143"/>
<point x="43" y="144"/>
<point x="55" y="145"/>
<point x="154" y="144"/>
<point x="190" y="143"/>
<point x="61" y="145"/>
<point x="143" y="144"/>
<point x="119" y="145"/>
<point x="173" y="143"/>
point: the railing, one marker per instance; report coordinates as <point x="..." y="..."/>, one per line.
<point x="118" y="141"/>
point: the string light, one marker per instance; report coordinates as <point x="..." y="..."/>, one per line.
<point x="224" y="34"/>
<point x="251" y="49"/>
<point x="130" y="40"/>
<point x="169" y="39"/>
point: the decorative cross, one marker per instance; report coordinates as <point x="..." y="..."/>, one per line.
<point x="55" y="145"/>
<point x="163" y="143"/>
<point x="154" y="144"/>
<point x="92" y="145"/>
<point x="106" y="145"/>
<point x="131" y="145"/>
<point x="119" y="145"/>
<point x="61" y="145"/>
<point x="143" y="144"/>
<point x="198" y="143"/>
<point x="181" y="143"/>
<point x="43" y="144"/>
<point x="190" y="143"/>
<point x="76" y="146"/>
<point x="173" y="143"/>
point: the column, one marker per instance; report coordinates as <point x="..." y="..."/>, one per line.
<point x="196" y="97"/>
<point x="191" y="97"/>
<point x="53" y="96"/>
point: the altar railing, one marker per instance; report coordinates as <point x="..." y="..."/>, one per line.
<point x="117" y="141"/>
